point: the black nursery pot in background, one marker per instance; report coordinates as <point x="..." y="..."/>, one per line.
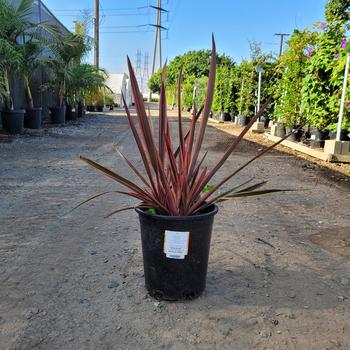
<point x="170" y="278"/>
<point x="58" y="114"/>
<point x="295" y="135"/>
<point x="80" y="110"/>
<point x="32" y="118"/>
<point x="243" y="121"/>
<point x="343" y="135"/>
<point x="70" y="113"/>
<point x="317" y="137"/>
<point x="225" y="117"/>
<point x="13" y="121"/>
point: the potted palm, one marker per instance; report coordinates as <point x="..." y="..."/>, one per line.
<point x="12" y="20"/>
<point x="177" y="203"/>
<point x="31" y="49"/>
<point x="21" y="55"/>
<point x="85" y="80"/>
<point x="67" y="50"/>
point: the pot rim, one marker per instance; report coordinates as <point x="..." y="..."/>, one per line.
<point x="180" y="218"/>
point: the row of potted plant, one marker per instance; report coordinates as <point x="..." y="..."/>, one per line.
<point x="305" y="81"/>
<point x="25" y="47"/>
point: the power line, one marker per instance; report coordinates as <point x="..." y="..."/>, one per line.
<point x="128" y="32"/>
<point x="127" y="26"/>
<point x="111" y="15"/>
<point x="107" y="9"/>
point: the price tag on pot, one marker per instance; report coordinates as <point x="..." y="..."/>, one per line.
<point x="176" y="244"/>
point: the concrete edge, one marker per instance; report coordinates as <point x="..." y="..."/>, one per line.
<point x="328" y="157"/>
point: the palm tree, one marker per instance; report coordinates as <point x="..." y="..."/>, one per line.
<point x="85" y="79"/>
<point x="67" y="51"/>
<point x="10" y="57"/>
<point x="21" y="44"/>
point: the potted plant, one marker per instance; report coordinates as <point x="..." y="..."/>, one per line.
<point x="223" y="100"/>
<point x="67" y="51"/>
<point x="245" y="95"/>
<point x="31" y="49"/>
<point x="13" y="20"/>
<point x="177" y="202"/>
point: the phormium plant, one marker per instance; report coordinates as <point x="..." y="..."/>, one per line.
<point x="177" y="181"/>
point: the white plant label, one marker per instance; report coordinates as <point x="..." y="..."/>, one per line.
<point x="176" y="244"/>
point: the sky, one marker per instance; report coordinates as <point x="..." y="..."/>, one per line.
<point x="125" y="25"/>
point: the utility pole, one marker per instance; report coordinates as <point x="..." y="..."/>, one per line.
<point x="157" y="39"/>
<point x="97" y="34"/>
<point x="145" y="75"/>
<point x="342" y="103"/>
<point x="138" y="71"/>
<point x="159" y="33"/>
<point x="281" y="35"/>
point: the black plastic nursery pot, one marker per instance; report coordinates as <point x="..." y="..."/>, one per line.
<point x="295" y="135"/>
<point x="225" y="117"/>
<point x="32" y="118"/>
<point x="13" y="121"/>
<point x="343" y="135"/>
<point x="70" y="113"/>
<point x="80" y="111"/>
<point x="317" y="137"/>
<point x="172" y="277"/>
<point x="58" y="114"/>
<point x="243" y="121"/>
<point x="266" y="122"/>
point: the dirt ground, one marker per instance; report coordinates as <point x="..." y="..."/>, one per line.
<point x="279" y="268"/>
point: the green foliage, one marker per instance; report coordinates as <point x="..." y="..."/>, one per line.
<point x="291" y="69"/>
<point x="195" y="68"/>
<point x="225" y="88"/>
<point x="14" y="23"/>
<point x="67" y="54"/>
<point x="187" y="92"/>
<point x="155" y="81"/>
<point x="247" y="80"/>
<point x="201" y="90"/>
<point x="321" y="86"/>
<point x="245" y="97"/>
<point x="87" y="82"/>
<point x="337" y="10"/>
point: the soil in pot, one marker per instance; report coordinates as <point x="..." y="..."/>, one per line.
<point x="58" y="114"/>
<point x="13" y="121"/>
<point x="175" y="274"/>
<point x="32" y="118"/>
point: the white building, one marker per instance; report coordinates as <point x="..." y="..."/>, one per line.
<point x="120" y="84"/>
